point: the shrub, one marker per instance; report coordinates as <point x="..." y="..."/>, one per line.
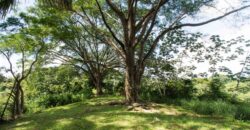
<point x="57" y="86"/>
<point x="60" y="99"/>
<point x="3" y="88"/>
<point x="215" y="90"/>
<point x="242" y="112"/>
<point x="113" y="83"/>
<point x="87" y="91"/>
<point x="33" y="106"/>
<point x="182" y="88"/>
<point x="156" y="90"/>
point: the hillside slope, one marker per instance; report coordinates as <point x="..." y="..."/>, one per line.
<point x="98" y="114"/>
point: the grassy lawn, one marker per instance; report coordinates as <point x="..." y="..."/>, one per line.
<point x="96" y="114"/>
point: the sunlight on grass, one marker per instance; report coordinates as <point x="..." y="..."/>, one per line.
<point x="61" y="123"/>
<point x="23" y="123"/>
<point x="94" y="114"/>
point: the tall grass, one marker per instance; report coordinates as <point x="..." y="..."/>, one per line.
<point x="218" y="107"/>
<point x="242" y="112"/>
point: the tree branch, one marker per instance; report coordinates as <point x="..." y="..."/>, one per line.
<point x="109" y="28"/>
<point x="119" y="13"/>
<point x="32" y="64"/>
<point x="213" y="19"/>
<point x="172" y="27"/>
<point x="7" y="56"/>
<point x="152" y="10"/>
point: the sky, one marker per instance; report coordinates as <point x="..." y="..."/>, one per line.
<point x="228" y="28"/>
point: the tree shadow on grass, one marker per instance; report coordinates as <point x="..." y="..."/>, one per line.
<point x="151" y="121"/>
<point x="105" y="117"/>
<point x="70" y="117"/>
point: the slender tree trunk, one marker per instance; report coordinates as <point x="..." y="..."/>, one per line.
<point x="237" y="88"/>
<point x="22" y="99"/>
<point x="18" y="104"/>
<point x="13" y="110"/>
<point x="238" y="84"/>
<point x="13" y="106"/>
<point x="18" y="100"/>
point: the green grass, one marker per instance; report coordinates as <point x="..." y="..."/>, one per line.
<point x="206" y="107"/>
<point x="95" y="114"/>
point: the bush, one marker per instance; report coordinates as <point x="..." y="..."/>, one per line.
<point x="2" y="88"/>
<point x="218" y="107"/>
<point x="242" y="112"/>
<point x="60" y="99"/>
<point x="113" y="83"/>
<point x="33" y="106"/>
<point x="87" y="92"/>
<point x="215" y="90"/>
<point x="159" y="91"/>
<point x="182" y="88"/>
<point x="55" y="86"/>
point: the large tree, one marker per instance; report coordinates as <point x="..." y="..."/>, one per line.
<point x="143" y="24"/>
<point x="77" y="44"/>
<point x="137" y="27"/>
<point x="84" y="49"/>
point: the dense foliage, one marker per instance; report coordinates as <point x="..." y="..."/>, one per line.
<point x="57" y="86"/>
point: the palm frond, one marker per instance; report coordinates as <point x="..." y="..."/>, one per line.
<point x="6" y="5"/>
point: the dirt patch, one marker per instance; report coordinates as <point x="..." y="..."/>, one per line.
<point x="157" y="108"/>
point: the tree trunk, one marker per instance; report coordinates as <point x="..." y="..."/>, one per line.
<point x="236" y="89"/>
<point x="238" y="84"/>
<point x="132" y="87"/>
<point x="97" y="82"/>
<point x="13" y="106"/>
<point x="98" y="87"/>
<point x="22" y="99"/>
<point x="133" y="77"/>
<point x="18" y="100"/>
<point x="18" y="104"/>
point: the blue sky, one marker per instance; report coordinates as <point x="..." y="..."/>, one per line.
<point x="227" y="28"/>
<point x="230" y="27"/>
